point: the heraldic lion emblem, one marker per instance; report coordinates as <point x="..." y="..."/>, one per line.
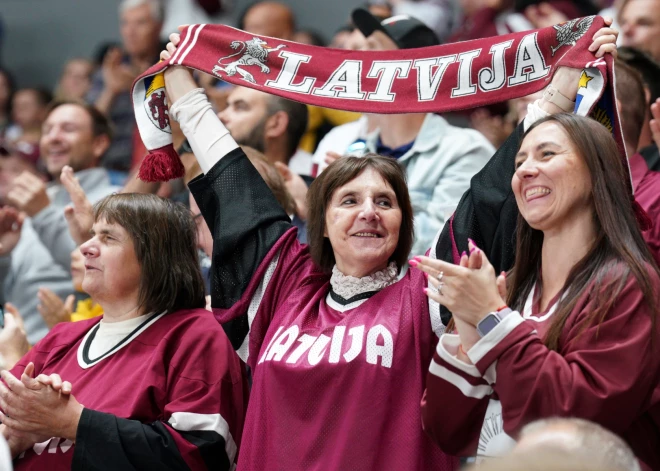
<point x="255" y="52"/>
<point x="570" y="32"/>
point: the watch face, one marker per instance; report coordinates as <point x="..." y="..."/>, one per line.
<point x="487" y="324"/>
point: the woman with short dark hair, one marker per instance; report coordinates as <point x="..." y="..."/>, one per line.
<point x="337" y="333"/>
<point x="156" y="383"/>
<point x="580" y="335"/>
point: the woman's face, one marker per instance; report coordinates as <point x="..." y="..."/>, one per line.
<point x="362" y="221"/>
<point x="112" y="271"/>
<point x="552" y="183"/>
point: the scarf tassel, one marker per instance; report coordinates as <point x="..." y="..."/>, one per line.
<point x="161" y="165"/>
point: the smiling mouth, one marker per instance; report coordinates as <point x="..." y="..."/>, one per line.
<point x="367" y="234"/>
<point x="536" y="192"/>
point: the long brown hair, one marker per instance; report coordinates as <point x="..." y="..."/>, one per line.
<point x="619" y="249"/>
<point x="339" y="173"/>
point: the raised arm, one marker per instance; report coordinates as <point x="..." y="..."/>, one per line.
<point x="244" y="217"/>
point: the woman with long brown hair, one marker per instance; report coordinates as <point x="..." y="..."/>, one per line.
<point x="574" y="333"/>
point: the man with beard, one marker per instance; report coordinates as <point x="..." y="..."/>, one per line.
<point x="270" y="124"/>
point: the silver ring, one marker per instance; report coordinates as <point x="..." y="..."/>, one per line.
<point x="441" y="275"/>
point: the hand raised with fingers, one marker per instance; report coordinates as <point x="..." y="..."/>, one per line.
<point x="80" y="213"/>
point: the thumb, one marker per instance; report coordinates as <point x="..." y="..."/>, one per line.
<point x="13" y="310"/>
<point x="501" y="285"/>
<point x="69" y="212"/>
<point x="27" y="378"/>
<point x="68" y="304"/>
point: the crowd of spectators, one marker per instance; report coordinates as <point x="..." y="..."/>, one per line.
<point x="92" y="258"/>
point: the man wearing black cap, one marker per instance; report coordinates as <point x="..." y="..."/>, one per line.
<point x="439" y="159"/>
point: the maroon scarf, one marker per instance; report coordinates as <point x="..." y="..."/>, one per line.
<point x="432" y="79"/>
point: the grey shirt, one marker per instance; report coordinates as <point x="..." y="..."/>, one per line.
<point x="26" y="269"/>
<point x="50" y="223"/>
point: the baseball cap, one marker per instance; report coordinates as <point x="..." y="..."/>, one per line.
<point x="406" y="32"/>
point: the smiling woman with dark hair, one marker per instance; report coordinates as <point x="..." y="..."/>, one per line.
<point x="338" y="333"/>
<point x="580" y="335"/>
<point x="155" y="383"/>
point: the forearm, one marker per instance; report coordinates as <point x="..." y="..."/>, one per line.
<point x="107" y="442"/>
<point x="53" y="230"/>
<point x="207" y="136"/>
<point x="104" y="102"/>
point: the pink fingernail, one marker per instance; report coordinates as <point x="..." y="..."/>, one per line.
<point x="472" y="242"/>
<point x="426" y="275"/>
<point x="413" y="263"/>
<point x="426" y="290"/>
<point x="472" y="250"/>
<point x="463" y="254"/>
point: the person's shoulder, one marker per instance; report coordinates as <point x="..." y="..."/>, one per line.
<point x="195" y="322"/>
<point x="66" y="334"/>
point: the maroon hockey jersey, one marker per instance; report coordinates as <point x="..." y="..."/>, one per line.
<point x="172" y="396"/>
<point x="609" y="374"/>
<point x="337" y="382"/>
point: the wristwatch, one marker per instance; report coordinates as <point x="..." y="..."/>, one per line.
<point x="489" y="322"/>
<point x="552" y="95"/>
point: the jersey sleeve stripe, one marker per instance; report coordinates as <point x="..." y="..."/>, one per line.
<point x="494" y="337"/>
<point x="468" y="390"/>
<point x="450" y="342"/>
<point x="190" y="421"/>
<point x="244" y="351"/>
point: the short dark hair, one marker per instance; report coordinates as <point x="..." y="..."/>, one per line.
<point x="298" y="116"/>
<point x="100" y="123"/>
<point x="164" y="236"/>
<point x="632" y="102"/>
<point x="643" y="63"/>
<point x="340" y="172"/>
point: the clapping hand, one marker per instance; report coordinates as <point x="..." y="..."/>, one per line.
<point x="11" y="222"/>
<point x="80" y="213"/>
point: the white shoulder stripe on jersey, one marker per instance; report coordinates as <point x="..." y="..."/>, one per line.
<point x="494" y="337"/>
<point x="434" y="308"/>
<point x="453" y="342"/>
<point x="190" y="421"/>
<point x="243" y="351"/>
<point x="478" y="392"/>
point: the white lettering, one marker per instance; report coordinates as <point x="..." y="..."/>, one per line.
<point x="289" y="71"/>
<point x="386" y="72"/>
<point x="263" y="357"/>
<point x="344" y="82"/>
<point x="356" y="346"/>
<point x="385" y="351"/>
<point x="465" y="85"/>
<point x="283" y="343"/>
<point x="530" y="64"/>
<point x="337" y="340"/>
<point x="318" y="350"/>
<point x="306" y="341"/>
<point x="494" y="79"/>
<point x="427" y="81"/>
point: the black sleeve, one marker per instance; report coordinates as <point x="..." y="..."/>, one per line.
<point x="246" y="221"/>
<point x="487" y="213"/>
<point x="107" y="442"/>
